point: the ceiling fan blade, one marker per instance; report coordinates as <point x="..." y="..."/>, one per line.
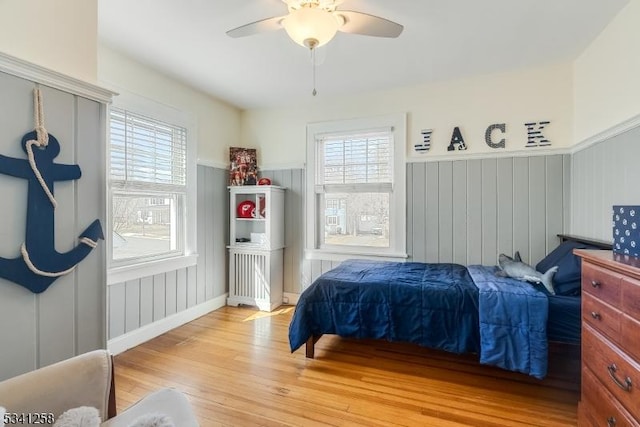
<point x="368" y="25"/>
<point x="264" y="25"/>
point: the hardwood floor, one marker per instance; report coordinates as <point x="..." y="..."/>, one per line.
<point x="236" y="368"/>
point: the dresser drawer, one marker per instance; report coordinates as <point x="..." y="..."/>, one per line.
<point x="601" y="316"/>
<point x="631" y="297"/>
<point x="619" y="374"/>
<point x="631" y="345"/>
<point x="601" y="283"/>
<point x="599" y="408"/>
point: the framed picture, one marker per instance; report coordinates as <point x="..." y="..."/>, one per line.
<point x="243" y="169"/>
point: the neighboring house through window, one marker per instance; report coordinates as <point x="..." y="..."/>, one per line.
<point x="356" y="188"/>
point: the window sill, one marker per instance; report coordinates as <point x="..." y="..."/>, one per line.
<point x="328" y="255"/>
<point x="145" y="269"/>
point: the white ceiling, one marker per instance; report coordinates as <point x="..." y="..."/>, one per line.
<point x="442" y="39"/>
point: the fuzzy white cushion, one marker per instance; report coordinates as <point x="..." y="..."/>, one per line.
<point x="153" y="420"/>
<point x="84" y="416"/>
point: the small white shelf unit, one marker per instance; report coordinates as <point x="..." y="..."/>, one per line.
<point x="256" y="247"/>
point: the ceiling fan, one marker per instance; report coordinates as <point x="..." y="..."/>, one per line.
<point x="313" y="23"/>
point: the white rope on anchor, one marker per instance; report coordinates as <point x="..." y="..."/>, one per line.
<point x="42" y="140"/>
<point x="87" y="241"/>
<point x="25" y="255"/>
<point x="27" y="260"/>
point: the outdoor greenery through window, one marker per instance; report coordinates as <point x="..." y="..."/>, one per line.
<point x="354" y="183"/>
<point x="148" y="187"/>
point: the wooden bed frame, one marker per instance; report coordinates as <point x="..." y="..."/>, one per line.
<point x="587" y="241"/>
<point x="311" y="342"/>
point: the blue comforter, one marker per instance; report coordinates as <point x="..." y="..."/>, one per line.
<point x="432" y="305"/>
<point x="513" y="322"/>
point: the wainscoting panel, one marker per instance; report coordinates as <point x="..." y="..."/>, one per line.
<point x="141" y="302"/>
<point x="505" y="208"/>
<point x="473" y="230"/>
<point x="69" y="317"/>
<point x="212" y="209"/>
<point x="312" y="269"/>
<point x="294" y="182"/>
<point x="463" y="211"/>
<point x="146" y="300"/>
<point x="132" y="305"/>
<point x="603" y="175"/>
<point x="469" y="211"/>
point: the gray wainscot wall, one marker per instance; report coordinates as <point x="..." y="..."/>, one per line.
<point x="143" y="308"/>
<point x="69" y="317"/>
<point x="605" y="172"/>
<point x="463" y="211"/>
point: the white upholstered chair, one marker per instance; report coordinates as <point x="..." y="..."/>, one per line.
<point x="88" y="380"/>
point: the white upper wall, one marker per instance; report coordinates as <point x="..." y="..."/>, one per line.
<point x="218" y="124"/>
<point x="472" y="104"/>
<point x="602" y="89"/>
<point x="60" y="35"/>
<point x="606" y="76"/>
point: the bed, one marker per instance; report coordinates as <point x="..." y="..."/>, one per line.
<point x="506" y="322"/>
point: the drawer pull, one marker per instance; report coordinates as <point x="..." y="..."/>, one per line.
<point x="596" y="315"/>
<point x="595" y="283"/>
<point x="611" y="422"/>
<point x="626" y="385"/>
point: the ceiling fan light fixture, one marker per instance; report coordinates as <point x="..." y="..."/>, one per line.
<point x="310" y="27"/>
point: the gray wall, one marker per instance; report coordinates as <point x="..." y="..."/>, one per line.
<point x="469" y="211"/>
<point x="464" y="211"/>
<point x="294" y="181"/>
<point x="139" y="302"/>
<point x="68" y="318"/>
<point x="604" y="174"/>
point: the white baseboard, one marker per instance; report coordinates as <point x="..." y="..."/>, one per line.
<point x="136" y="337"/>
<point x="290" y="298"/>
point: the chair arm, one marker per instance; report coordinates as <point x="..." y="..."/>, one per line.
<point x="167" y="401"/>
<point x="83" y="380"/>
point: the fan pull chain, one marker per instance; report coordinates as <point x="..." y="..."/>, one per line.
<point x="313" y="65"/>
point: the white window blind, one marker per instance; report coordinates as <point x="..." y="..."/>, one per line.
<point x="358" y="159"/>
<point x="147" y="151"/>
<point x="355" y="163"/>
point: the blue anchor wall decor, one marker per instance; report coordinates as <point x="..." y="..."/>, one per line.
<point x="40" y="264"/>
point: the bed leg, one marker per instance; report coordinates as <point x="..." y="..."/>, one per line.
<point x="310" y="347"/>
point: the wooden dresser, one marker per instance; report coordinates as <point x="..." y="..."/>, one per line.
<point x="610" y="340"/>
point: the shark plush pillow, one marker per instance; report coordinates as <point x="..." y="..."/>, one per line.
<point x="516" y="269"/>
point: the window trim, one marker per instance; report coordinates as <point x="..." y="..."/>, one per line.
<point x="142" y="268"/>
<point x="398" y="236"/>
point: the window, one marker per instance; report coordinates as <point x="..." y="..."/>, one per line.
<point x="332" y="220"/>
<point x="356" y="188"/>
<point x="148" y="188"/>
